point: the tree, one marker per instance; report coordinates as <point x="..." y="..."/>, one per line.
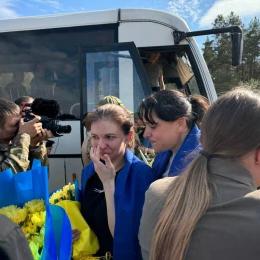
<point x="209" y="54"/>
<point x="223" y="41"/>
<point x="217" y="53"/>
<point x="252" y="50"/>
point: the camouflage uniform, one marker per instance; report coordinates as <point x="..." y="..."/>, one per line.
<point x="19" y="155"/>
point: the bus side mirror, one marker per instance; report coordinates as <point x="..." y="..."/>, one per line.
<point x="236" y="39"/>
<point x="237" y="48"/>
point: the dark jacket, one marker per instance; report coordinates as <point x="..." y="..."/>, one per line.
<point x="13" y="244"/>
<point x="229" y="230"/>
<point x="181" y="159"/>
<point x="131" y="184"/>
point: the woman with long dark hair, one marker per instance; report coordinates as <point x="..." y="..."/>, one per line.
<point x="212" y="210"/>
<point x="170" y="120"/>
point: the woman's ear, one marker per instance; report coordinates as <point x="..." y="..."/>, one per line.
<point x="257" y="156"/>
<point x="130" y="138"/>
<point x="181" y="122"/>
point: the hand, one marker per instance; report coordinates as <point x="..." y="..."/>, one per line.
<point x="146" y="150"/>
<point x="44" y="135"/>
<point x="75" y="235"/>
<point x="106" y="172"/>
<point x="141" y="148"/>
<point x="32" y="128"/>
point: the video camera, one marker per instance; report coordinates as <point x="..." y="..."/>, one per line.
<point x="49" y="110"/>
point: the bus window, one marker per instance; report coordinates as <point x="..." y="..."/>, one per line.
<point x="45" y="63"/>
<point x="177" y="69"/>
<point x="112" y="73"/>
<point x="102" y="77"/>
<point x="16" y="84"/>
<point x="186" y="74"/>
<point x="66" y="89"/>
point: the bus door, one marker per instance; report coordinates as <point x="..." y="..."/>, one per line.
<point x="115" y="70"/>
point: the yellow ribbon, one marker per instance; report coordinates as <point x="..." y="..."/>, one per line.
<point x="108" y="256"/>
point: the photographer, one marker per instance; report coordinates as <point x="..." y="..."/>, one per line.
<point x="20" y="142"/>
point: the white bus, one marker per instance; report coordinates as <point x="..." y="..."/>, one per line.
<point x="77" y="59"/>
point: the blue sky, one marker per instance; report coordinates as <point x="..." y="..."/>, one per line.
<point x="199" y="14"/>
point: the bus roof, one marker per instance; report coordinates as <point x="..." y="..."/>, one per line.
<point x="90" y="18"/>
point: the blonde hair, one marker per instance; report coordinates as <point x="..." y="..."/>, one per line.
<point x="230" y="129"/>
<point x="7" y="109"/>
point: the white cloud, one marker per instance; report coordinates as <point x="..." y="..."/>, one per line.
<point x="243" y="8"/>
<point x="50" y="3"/>
<point x="7" y="9"/>
<point x="185" y="8"/>
<point x="54" y="6"/>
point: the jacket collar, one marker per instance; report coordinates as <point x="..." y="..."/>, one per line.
<point x="190" y="143"/>
<point x="123" y="174"/>
<point x="232" y="170"/>
<point x="89" y="171"/>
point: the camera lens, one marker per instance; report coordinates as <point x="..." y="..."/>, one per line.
<point x="64" y="129"/>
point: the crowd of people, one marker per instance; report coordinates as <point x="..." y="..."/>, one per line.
<point x="197" y="199"/>
<point x="60" y="81"/>
<point x="61" y="85"/>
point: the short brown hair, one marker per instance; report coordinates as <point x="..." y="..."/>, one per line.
<point x="22" y="99"/>
<point x="116" y="114"/>
<point x="7" y="108"/>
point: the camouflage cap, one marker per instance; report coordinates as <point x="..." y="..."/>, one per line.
<point x="112" y="100"/>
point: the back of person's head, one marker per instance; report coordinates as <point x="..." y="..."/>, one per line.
<point x="169" y="105"/>
<point x="7" y="109"/>
<point x="200" y="105"/>
<point x="230" y="127"/>
<point x="230" y="130"/>
<point x="112" y="100"/>
<point x="114" y="113"/>
<point x="23" y="99"/>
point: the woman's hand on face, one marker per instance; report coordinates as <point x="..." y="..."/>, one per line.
<point x="106" y="172"/>
<point x="75" y="235"/>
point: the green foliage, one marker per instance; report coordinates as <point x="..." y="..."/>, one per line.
<point x="251" y="84"/>
<point x="217" y="54"/>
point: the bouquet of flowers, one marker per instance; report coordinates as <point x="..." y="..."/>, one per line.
<point x="31" y="218"/>
<point x="88" y="244"/>
<point x="66" y="193"/>
<point x="24" y="198"/>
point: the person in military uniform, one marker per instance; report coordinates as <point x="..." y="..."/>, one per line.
<point x="20" y="142"/>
